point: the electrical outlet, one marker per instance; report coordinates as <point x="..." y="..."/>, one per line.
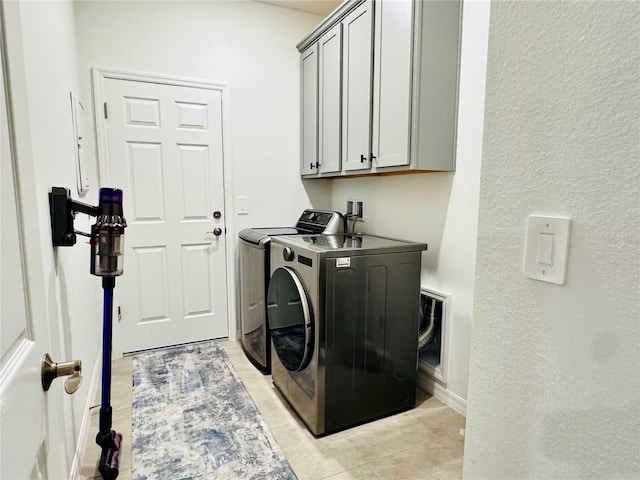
<point x="350" y="206"/>
<point x="359" y="209"/>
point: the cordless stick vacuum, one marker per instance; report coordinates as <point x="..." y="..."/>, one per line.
<point x="107" y="248"/>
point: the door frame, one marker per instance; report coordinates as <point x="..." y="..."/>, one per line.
<point x="99" y="75"/>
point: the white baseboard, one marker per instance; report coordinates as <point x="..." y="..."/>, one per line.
<point x="435" y="388"/>
<point x="86" y="418"/>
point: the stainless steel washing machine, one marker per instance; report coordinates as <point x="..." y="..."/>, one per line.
<point x="254" y="278"/>
<point x="343" y="319"/>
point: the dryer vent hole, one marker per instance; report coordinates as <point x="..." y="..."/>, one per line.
<point x="430" y="330"/>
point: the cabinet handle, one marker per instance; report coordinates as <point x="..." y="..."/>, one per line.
<point x="317" y="164"/>
<point x="373" y="157"/>
<point x="363" y="159"/>
<point x="311" y="165"/>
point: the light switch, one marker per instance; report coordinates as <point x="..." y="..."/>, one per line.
<point x="547" y="248"/>
<point x="242" y="205"/>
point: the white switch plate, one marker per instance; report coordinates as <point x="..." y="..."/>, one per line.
<point x="547" y="248"/>
<point x="242" y="205"/>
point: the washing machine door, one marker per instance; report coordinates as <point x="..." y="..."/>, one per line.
<point x="290" y="319"/>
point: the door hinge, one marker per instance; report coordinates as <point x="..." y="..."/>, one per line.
<point x="119" y="313"/>
<point x="106" y="115"/>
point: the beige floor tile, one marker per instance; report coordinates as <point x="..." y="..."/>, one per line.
<point x="420" y="463"/>
<point x="441" y="421"/>
<point x="389" y="435"/>
<point x="364" y="472"/>
<point x="316" y="458"/>
<point x="275" y="411"/>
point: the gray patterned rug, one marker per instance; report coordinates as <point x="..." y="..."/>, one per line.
<point x="193" y="418"/>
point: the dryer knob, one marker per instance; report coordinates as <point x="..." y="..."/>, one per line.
<point x="288" y="254"/>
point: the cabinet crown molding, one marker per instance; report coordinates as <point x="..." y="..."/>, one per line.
<point x="334" y="17"/>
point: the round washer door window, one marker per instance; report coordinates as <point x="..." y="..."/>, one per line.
<point x="290" y="319"/>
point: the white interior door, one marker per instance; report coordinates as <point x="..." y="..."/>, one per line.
<point x="23" y="332"/>
<point x="165" y="153"/>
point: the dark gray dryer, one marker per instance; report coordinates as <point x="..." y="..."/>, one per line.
<point x="254" y="278"/>
<point x="343" y="316"/>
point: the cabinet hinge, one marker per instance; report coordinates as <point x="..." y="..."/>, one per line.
<point x="106" y="115"/>
<point x="119" y="313"/>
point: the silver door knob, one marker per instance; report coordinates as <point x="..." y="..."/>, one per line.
<point x="216" y="231"/>
<point x="52" y="370"/>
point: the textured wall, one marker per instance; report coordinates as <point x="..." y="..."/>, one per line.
<point x="555" y="378"/>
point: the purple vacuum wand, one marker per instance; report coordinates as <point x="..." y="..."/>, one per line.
<point x="107" y="249"/>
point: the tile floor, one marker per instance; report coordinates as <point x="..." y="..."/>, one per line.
<point x="422" y="443"/>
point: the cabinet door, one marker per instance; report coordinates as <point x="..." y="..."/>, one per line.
<point x="309" y="105"/>
<point x="392" y="83"/>
<point x="357" y="71"/>
<point x="330" y="57"/>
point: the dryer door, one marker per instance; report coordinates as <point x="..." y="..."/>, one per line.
<point x="290" y="319"/>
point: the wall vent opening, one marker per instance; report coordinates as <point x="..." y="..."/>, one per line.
<point x="433" y="334"/>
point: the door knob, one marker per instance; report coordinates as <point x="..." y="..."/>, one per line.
<point x="216" y="231"/>
<point x="52" y="370"/>
<point x="217" y="214"/>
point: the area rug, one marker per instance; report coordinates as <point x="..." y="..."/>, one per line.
<point x="194" y="419"/>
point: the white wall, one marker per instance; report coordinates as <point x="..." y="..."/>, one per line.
<point x="440" y="209"/>
<point x="555" y="379"/>
<point x="46" y="31"/>
<point x="247" y="44"/>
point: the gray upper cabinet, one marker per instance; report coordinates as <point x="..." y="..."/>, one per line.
<point x="392" y="83"/>
<point x="356" y="80"/>
<point x="330" y="81"/>
<point x="309" y="111"/>
<point x="400" y="62"/>
<point x="435" y="84"/>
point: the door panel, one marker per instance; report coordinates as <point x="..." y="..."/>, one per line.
<point x="196" y="191"/>
<point x="150" y="265"/>
<point x="356" y="84"/>
<point x="392" y="82"/>
<point x="165" y="152"/>
<point x="147" y="182"/>
<point x="309" y="93"/>
<point x="142" y="111"/>
<point x="197" y="281"/>
<point x="330" y="46"/>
